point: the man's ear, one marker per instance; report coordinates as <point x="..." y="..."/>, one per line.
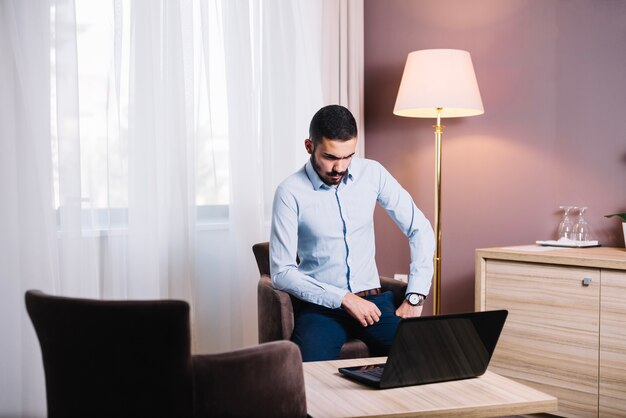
<point x="308" y="144"/>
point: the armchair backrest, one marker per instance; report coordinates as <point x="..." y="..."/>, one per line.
<point x="262" y="254"/>
<point x="114" y="358"/>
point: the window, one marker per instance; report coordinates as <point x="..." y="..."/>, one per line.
<point x="98" y="115"/>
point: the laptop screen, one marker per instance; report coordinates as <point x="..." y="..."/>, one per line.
<point x="444" y="347"/>
<point x="435" y="349"/>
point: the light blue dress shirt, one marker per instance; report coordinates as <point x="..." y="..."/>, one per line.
<point x="331" y="230"/>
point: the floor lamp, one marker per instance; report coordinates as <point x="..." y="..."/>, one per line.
<point x="438" y="83"/>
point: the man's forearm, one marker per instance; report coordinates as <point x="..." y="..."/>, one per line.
<point x="298" y="284"/>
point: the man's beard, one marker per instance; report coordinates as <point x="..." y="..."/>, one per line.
<point x="332" y="178"/>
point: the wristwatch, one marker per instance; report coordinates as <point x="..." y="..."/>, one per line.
<point x="415" y="299"/>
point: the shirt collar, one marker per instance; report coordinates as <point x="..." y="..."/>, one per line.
<point x="317" y="182"/>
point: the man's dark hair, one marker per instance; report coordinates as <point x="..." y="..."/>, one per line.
<point x="332" y="122"/>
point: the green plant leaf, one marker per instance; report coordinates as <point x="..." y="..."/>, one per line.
<point x="621" y="215"/>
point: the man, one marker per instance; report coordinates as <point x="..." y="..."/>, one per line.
<point x="323" y="214"/>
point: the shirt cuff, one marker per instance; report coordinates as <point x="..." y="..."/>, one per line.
<point x="417" y="286"/>
<point x="335" y="296"/>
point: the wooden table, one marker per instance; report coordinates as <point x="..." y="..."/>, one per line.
<point x="330" y="394"/>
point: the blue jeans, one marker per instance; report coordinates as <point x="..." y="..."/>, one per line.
<point x="320" y="332"/>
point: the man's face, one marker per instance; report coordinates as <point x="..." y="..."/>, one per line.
<point x="331" y="158"/>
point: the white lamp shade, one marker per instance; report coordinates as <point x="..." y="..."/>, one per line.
<point x="438" y="78"/>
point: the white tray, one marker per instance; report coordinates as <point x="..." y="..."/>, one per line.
<point x="569" y="244"/>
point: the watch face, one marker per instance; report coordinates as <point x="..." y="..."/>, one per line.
<point x="414" y="299"/>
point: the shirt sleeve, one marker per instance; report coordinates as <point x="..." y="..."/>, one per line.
<point x="283" y="253"/>
<point x="412" y="222"/>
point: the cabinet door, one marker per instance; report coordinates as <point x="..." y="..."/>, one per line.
<point x="550" y="340"/>
<point x="613" y="344"/>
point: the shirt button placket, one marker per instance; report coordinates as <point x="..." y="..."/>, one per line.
<point x="345" y="237"/>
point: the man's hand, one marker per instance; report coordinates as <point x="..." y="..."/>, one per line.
<point x="360" y="309"/>
<point x="406" y="310"/>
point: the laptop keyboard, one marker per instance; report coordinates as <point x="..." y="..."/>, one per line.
<point x="374" y="371"/>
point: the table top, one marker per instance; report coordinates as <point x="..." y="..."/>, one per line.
<point x="599" y="257"/>
<point x="330" y="394"/>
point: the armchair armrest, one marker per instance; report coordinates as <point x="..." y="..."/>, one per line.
<point x="261" y="381"/>
<point x="275" y="310"/>
<point x="396" y="286"/>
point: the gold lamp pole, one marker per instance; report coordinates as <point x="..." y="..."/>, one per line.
<point x="437" y="226"/>
<point x="438" y="83"/>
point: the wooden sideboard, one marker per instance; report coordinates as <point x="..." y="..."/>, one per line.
<point x="566" y="330"/>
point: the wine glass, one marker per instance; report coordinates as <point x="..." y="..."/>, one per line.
<point x="581" y="227"/>
<point x="566" y="227"/>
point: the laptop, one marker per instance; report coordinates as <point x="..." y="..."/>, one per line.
<point x="432" y="349"/>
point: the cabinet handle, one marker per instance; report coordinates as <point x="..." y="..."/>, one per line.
<point x="586" y="281"/>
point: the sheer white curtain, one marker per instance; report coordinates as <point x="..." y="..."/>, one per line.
<point x="153" y="175"/>
<point x="28" y="245"/>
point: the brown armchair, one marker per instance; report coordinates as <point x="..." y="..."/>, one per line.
<point x="133" y="359"/>
<point x="276" y="308"/>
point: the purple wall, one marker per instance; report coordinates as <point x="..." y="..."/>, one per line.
<point x="552" y="76"/>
